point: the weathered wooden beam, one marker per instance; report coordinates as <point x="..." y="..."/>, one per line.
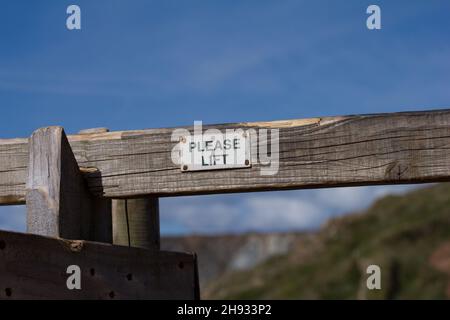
<point x="35" y="267"/>
<point x="58" y="201"/>
<point x="13" y="170"/>
<point x="394" y="148"/>
<point x="136" y="223"/>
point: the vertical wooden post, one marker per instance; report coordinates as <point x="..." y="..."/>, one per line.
<point x="58" y="201"/>
<point x="136" y="223"/>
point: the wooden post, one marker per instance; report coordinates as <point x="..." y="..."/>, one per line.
<point x="58" y="201"/>
<point x="136" y="223"/>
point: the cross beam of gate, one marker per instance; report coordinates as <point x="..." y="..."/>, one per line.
<point x="410" y="147"/>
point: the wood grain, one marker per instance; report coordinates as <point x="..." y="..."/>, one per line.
<point x="396" y="148"/>
<point x="59" y="203"/>
<point x="136" y="223"/>
<point x="34" y="267"/>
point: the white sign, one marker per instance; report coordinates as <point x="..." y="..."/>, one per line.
<point x="215" y="151"/>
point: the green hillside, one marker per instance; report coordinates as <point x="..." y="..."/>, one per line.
<point x="408" y="236"/>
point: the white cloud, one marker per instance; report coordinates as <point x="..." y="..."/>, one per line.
<point x="267" y="211"/>
<point x="280" y="212"/>
<point x="274" y="211"/>
<point x="354" y="198"/>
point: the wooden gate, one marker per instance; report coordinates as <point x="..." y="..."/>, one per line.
<point x="92" y="198"/>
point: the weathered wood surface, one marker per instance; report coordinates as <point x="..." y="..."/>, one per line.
<point x="34" y="267"/>
<point x="320" y="152"/>
<point x="59" y="203"/>
<point x="136" y="223"/>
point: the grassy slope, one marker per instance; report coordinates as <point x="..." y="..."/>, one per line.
<point x="398" y="233"/>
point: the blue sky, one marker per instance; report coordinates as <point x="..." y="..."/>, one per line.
<point x="143" y="64"/>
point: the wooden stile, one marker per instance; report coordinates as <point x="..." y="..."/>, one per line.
<point x="68" y="184"/>
<point x="59" y="205"/>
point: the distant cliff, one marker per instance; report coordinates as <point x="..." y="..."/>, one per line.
<point x="218" y="255"/>
<point x="408" y="236"/>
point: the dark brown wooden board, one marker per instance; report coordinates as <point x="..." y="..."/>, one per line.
<point x="34" y="267"/>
